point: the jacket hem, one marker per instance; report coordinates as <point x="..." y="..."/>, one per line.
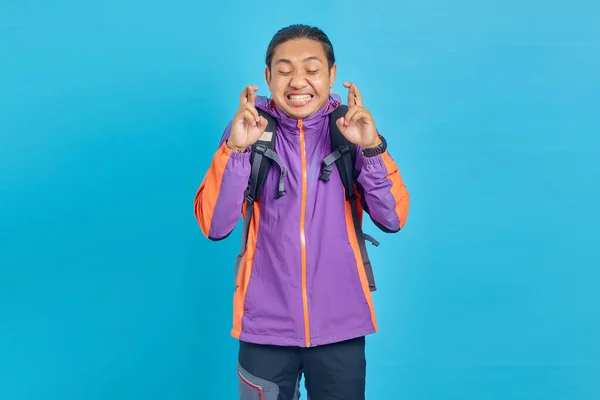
<point x="299" y="342"/>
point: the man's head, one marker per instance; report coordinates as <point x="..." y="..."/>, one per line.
<point x="300" y="69"/>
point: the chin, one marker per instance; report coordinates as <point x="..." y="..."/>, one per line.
<point x="300" y="111"/>
<point x="297" y="114"/>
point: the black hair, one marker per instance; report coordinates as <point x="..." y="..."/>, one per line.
<point x="300" y="31"/>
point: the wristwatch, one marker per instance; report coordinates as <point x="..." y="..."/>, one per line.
<point x="373" y="151"/>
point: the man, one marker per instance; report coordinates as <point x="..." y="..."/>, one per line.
<point x="302" y="303"/>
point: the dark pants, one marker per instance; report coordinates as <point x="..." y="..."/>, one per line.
<point x="331" y="372"/>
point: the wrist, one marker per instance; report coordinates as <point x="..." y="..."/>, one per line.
<point x="235" y="148"/>
<point x="375" y="149"/>
<point x="375" y="143"/>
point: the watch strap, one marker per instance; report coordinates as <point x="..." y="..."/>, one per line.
<point x="373" y="151"/>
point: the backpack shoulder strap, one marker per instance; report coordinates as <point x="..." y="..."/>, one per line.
<point x="343" y="154"/>
<point x="261" y="158"/>
<point x="346" y="163"/>
<point x="344" y="157"/>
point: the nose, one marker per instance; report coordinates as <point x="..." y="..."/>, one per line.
<point x="298" y="81"/>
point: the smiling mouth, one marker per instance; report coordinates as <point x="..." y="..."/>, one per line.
<point x="299" y="98"/>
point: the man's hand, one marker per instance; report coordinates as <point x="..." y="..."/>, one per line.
<point x="358" y="125"/>
<point x="247" y="124"/>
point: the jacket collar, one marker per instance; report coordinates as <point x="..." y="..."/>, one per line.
<point x="289" y="124"/>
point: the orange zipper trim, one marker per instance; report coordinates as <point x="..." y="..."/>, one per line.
<point x="303" y="236"/>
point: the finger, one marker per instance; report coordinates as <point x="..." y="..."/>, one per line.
<point x="354" y="96"/>
<point x="250" y="107"/>
<point x="251" y="96"/>
<point x="357" y="95"/>
<point x="341" y="124"/>
<point x="246" y="93"/>
<point x="262" y="124"/>
<point x="254" y="135"/>
<point x="357" y="116"/>
<point x="248" y="117"/>
<point x="351" y="98"/>
<point x="350" y="114"/>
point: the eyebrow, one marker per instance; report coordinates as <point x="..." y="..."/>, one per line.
<point x="286" y="61"/>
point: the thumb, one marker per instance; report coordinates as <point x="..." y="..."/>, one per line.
<point x="262" y="124"/>
<point x="340" y="124"/>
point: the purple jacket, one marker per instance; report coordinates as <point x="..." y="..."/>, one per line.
<point x="301" y="281"/>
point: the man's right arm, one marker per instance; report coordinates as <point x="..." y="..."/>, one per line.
<point x="219" y="199"/>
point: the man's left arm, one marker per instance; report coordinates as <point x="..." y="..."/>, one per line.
<point x="383" y="194"/>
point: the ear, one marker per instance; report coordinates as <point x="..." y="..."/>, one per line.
<point x="332" y="73"/>
<point x="267" y="75"/>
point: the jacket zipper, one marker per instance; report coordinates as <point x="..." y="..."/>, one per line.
<point x="252" y="385"/>
<point x="303" y="236"/>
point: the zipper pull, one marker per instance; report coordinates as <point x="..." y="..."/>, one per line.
<point x="300" y="124"/>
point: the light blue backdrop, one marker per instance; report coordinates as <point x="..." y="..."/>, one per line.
<point x="110" y="112"/>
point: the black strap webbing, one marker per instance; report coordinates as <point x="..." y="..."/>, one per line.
<point x="263" y="155"/>
<point x="360" y="236"/>
<point x="344" y="156"/>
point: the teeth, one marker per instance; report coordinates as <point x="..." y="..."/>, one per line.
<point x="300" y="97"/>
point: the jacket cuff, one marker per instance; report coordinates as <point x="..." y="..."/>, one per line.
<point x="234" y="154"/>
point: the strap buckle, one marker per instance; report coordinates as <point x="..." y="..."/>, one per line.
<point x="260" y="148"/>
<point x="344" y="149"/>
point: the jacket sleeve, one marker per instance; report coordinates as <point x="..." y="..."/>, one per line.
<point x="382" y="192"/>
<point x="218" y="202"/>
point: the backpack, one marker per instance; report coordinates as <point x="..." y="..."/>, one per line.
<point x="343" y="155"/>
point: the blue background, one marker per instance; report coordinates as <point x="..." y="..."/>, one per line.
<point x="109" y="115"/>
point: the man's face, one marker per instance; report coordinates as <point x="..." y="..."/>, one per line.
<point x="300" y="78"/>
